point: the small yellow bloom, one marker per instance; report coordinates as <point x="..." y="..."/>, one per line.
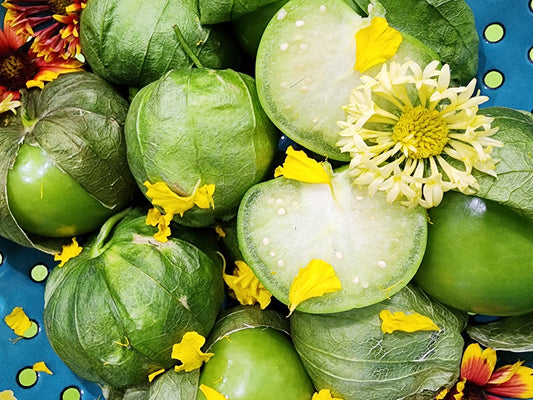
<point x="41" y="367"/>
<point x="69" y="251"/>
<point x="315" y="280"/>
<point x="152" y="376"/>
<point x="211" y="394"/>
<point x="298" y="166"/>
<point x="375" y="44"/>
<point x="18" y="321"/>
<point x="7" y="395"/>
<point x="189" y="352"/>
<point x="246" y="287"/>
<point x="221" y="233"/>
<point x="324" y="394"/>
<point x="173" y="204"/>
<point x="399" y="321"/>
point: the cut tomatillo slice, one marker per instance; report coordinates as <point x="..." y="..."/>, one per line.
<point x="374" y="247"/>
<point x="306" y="67"/>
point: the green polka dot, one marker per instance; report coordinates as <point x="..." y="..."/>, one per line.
<point x="530" y="55"/>
<point x="39" y="273"/>
<point x="71" y="393"/>
<point x="1" y="258"/>
<point x="494" y="32"/>
<point x="493" y="79"/>
<point x="27" y="377"/>
<point x="32" y="331"/>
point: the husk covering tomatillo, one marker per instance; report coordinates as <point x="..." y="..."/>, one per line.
<point x="114" y="312"/>
<point x="200" y="126"/>
<point x="132" y="42"/>
<point x="77" y="120"/>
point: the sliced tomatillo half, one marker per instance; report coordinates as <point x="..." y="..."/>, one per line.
<point x="375" y="248"/>
<point x="306" y="67"/>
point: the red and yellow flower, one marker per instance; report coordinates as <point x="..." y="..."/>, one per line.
<point x="480" y="380"/>
<point x="52" y="23"/>
<point x="21" y="67"/>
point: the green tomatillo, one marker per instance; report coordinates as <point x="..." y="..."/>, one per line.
<point x="63" y="170"/>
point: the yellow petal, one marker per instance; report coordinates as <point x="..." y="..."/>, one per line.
<point x="69" y="251"/>
<point x="189" y="352"/>
<point x="152" y="218"/>
<point x="173" y="204"/>
<point x="298" y="166"/>
<point x="315" y="280"/>
<point x="246" y="287"/>
<point x="375" y="44"/>
<point x="41" y="367"/>
<point x="18" y="321"/>
<point x="7" y="395"/>
<point x="152" y="376"/>
<point x="478" y="365"/>
<point x="324" y="394"/>
<point x="211" y="394"/>
<point x="399" y="321"/>
<point x="221" y="233"/>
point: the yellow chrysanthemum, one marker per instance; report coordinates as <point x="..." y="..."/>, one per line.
<point x="407" y="130"/>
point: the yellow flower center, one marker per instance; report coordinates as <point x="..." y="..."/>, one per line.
<point x="423" y="132"/>
<point x="59" y="6"/>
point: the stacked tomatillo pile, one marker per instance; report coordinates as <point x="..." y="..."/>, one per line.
<point x="298" y="199"/>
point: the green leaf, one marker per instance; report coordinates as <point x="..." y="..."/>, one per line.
<point x="446" y="26"/>
<point x="514" y="185"/>
<point x="513" y="334"/>
<point x="349" y="354"/>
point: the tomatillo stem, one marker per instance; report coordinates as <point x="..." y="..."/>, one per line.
<point x="106" y="228"/>
<point x="187" y="48"/>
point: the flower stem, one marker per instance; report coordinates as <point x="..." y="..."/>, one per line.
<point x="186" y="47"/>
<point x="107" y="227"/>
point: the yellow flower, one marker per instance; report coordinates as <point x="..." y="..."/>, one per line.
<point x="211" y="394"/>
<point x="152" y="376"/>
<point x="405" y="124"/>
<point x="479" y="379"/>
<point x="298" y="166"/>
<point x="189" y="352"/>
<point x="246" y="287"/>
<point x="375" y="44"/>
<point x="41" y="367"/>
<point x="314" y="280"/>
<point x="399" y="321"/>
<point x="324" y="394"/>
<point x="18" y="321"/>
<point x="69" y="251"/>
<point x="173" y="204"/>
<point x="7" y="395"/>
<point x="8" y="104"/>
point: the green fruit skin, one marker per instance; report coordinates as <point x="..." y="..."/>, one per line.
<point x="46" y="201"/>
<point x="114" y="316"/>
<point x="479" y="257"/>
<point x="204" y="126"/>
<point x="256" y="364"/>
